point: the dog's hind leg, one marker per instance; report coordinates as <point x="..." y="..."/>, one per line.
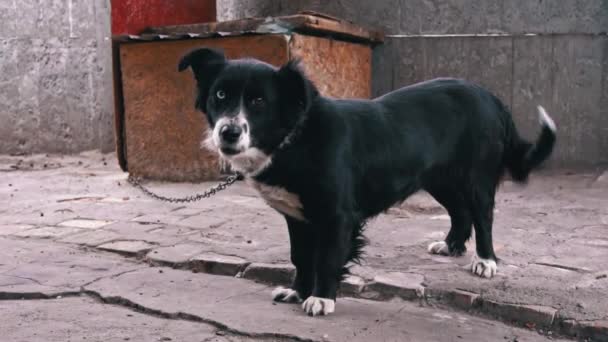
<point x="301" y="237"/>
<point x="461" y="222"/>
<point x="482" y="210"/>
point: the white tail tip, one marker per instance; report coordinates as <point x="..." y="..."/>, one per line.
<point x="545" y="119"/>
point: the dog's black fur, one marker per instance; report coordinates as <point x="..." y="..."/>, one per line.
<point x="349" y="160"/>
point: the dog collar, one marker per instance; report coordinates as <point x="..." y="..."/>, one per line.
<point x="293" y="134"/>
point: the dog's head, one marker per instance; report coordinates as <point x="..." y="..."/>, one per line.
<point x="251" y="106"/>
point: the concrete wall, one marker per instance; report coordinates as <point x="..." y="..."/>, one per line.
<point x="55" y="63"/>
<point x="441" y="16"/>
<point x="564" y="68"/>
<point x="55" y="76"/>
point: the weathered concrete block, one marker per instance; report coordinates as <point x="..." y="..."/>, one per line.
<point x="541" y="316"/>
<point x="276" y="274"/>
<point x="454" y="297"/>
<point x="383" y="68"/>
<point x="131" y="226"/>
<point x="484" y="60"/>
<point x="404" y="285"/>
<point x="47" y="232"/>
<point x="603" y="178"/>
<point x="60" y="78"/>
<point x="446" y="17"/>
<point x="586" y="330"/>
<point x="85" y="223"/>
<point x="352" y="286"/>
<point x="603" y="123"/>
<point x="91" y="238"/>
<point x="217" y="264"/>
<point x="381" y="14"/>
<point x="14" y="228"/>
<point x="533" y="70"/>
<point x="563" y="73"/>
<point x="175" y="256"/>
<point x="408" y="63"/>
<point x="362" y="12"/>
<point x="159" y="218"/>
<point x="128" y="248"/>
<point x="442" y="16"/>
<point x="202" y="221"/>
<point x="576" y="93"/>
<point x="580" y="16"/>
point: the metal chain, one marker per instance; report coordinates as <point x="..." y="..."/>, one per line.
<point x="136" y="182"/>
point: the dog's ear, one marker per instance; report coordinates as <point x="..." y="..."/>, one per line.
<point x="206" y="64"/>
<point x="295" y="87"/>
<point x="202" y="59"/>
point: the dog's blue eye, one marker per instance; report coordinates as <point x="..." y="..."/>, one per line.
<point x="220" y="94"/>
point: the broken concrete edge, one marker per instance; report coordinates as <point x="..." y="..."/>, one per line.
<point x="529" y="316"/>
<point x="270" y="274"/>
<point x="128" y="248"/>
<point x="4" y="295"/>
<point x="384" y="288"/>
<point x="588" y="330"/>
<point x="123" y="302"/>
<point x="407" y="286"/>
<point x="535" y="317"/>
<point x="126" y="303"/>
<point x="204" y="263"/>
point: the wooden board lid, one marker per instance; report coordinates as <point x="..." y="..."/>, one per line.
<point x="311" y="23"/>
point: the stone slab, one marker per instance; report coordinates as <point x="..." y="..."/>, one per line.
<point x="403" y="285"/>
<point x="47" y="232"/>
<point x="588" y="330"/>
<point x="277" y="274"/>
<point x="91" y="238"/>
<point x="176" y="255"/>
<point x="456" y="298"/>
<point x="130" y="248"/>
<point x="352" y="286"/>
<point x="85" y="319"/>
<point x="85" y="223"/>
<point x="14" y="228"/>
<point x="39" y="267"/>
<point x="217" y="264"/>
<point x="539" y="316"/>
<point x="245" y="306"/>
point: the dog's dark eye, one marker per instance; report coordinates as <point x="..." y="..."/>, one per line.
<point x="220" y="94"/>
<point x="256" y="101"/>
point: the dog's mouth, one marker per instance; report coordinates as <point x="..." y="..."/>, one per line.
<point x="229" y="150"/>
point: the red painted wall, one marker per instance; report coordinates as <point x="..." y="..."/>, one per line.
<point x="132" y="16"/>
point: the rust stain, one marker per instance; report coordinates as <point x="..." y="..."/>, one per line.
<point x="339" y="69"/>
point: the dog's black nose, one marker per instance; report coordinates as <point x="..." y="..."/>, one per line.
<point x="230" y="133"/>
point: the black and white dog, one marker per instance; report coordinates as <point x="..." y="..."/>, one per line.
<point x="328" y="165"/>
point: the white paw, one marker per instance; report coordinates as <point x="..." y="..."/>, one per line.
<point x="439" y="247"/>
<point x="285" y="295"/>
<point x="318" y="306"/>
<point x="485" y="268"/>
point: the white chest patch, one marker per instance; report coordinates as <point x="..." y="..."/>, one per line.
<point x="280" y="199"/>
<point x="251" y="162"/>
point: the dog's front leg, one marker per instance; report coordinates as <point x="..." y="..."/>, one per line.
<point x="302" y="239"/>
<point x="333" y="245"/>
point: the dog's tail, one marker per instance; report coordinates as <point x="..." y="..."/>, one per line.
<point x="525" y="156"/>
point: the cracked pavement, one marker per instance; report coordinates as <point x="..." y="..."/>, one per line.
<point x="53" y="292"/>
<point x="80" y="248"/>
